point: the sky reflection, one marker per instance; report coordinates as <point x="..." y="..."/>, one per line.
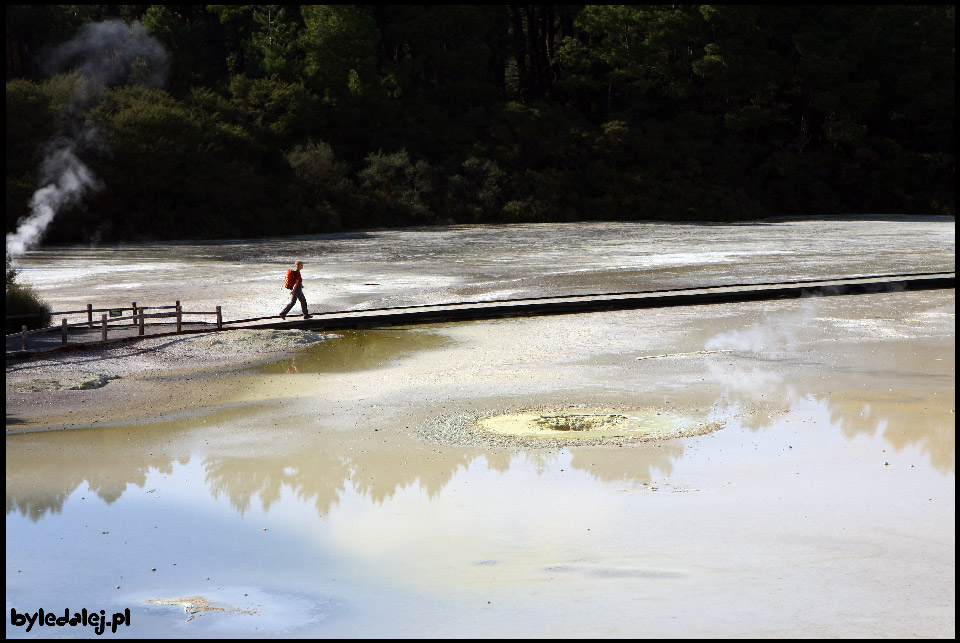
<point x="44" y="470"/>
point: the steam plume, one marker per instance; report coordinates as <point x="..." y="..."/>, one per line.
<point x="106" y="54"/>
<point x="772" y="335"/>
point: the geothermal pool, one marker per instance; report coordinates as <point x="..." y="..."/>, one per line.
<point x="341" y="490"/>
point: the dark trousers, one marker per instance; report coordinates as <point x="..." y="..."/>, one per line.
<point x="295" y="294"/>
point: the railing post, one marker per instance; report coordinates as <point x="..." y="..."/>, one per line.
<point x="219" y="319"/>
<point x="23" y="332"/>
<point x="141" y="323"/>
<point x="103" y="329"/>
<point x="90" y="315"/>
<point x="63" y="330"/>
<point x="133" y="316"/>
<point x="179" y="317"/>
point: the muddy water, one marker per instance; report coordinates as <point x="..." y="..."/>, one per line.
<point x="352" y="350"/>
<point x="322" y="495"/>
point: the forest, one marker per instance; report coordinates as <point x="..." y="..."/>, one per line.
<point x="160" y="122"/>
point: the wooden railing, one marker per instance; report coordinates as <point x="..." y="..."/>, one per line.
<point x="109" y="316"/>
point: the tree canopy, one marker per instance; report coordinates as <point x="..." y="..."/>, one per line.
<point x="288" y="119"/>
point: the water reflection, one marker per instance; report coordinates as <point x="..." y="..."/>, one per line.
<point x="919" y="414"/>
<point x="904" y="392"/>
<point x="44" y="469"/>
<point x="904" y="418"/>
<point x="355" y="350"/>
<point x="380" y="476"/>
<point x="37" y="486"/>
<point x="111" y="460"/>
<point x="321" y="478"/>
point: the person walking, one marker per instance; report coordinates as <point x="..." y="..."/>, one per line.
<point x="294" y="282"/>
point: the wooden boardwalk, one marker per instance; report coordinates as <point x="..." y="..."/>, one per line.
<point x="45" y="343"/>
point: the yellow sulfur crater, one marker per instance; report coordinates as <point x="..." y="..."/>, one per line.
<point x="592" y="423"/>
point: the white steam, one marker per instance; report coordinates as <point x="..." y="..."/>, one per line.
<point x="112" y="53"/>
<point x="106" y="54"/>
<point x="778" y="336"/>
<point x="775" y="334"/>
<point x="71" y="180"/>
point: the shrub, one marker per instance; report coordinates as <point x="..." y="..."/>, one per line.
<point x="398" y="188"/>
<point x="473" y="194"/>
<point x="23" y="300"/>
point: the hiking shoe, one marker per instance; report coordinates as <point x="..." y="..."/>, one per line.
<point x="308" y="316"/>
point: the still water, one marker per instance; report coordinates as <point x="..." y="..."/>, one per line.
<point x="316" y="501"/>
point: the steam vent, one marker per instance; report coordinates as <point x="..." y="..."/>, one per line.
<point x="572" y="426"/>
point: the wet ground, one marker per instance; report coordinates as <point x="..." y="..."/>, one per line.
<point x="419" y="266"/>
<point x="349" y="489"/>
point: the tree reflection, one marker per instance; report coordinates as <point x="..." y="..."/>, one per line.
<point x="904" y="419"/>
<point x="44" y="469"/>
<point x="907" y="403"/>
<point x="318" y="474"/>
<point x="629" y="466"/>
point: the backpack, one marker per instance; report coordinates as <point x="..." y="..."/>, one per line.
<point x="291" y="280"/>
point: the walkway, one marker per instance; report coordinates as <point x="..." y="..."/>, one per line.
<point x="85" y="337"/>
